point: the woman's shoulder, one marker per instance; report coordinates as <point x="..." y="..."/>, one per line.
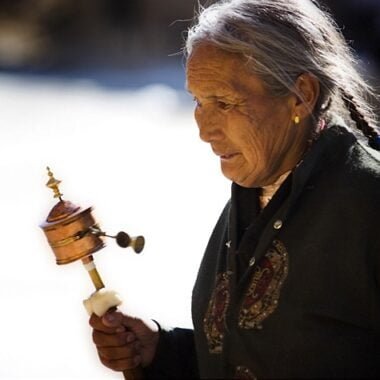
<point x="350" y="166"/>
<point x="358" y="157"/>
<point x="365" y="162"/>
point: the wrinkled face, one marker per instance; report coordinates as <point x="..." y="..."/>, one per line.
<point x="250" y="131"/>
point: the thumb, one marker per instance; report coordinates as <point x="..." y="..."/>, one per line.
<point x="137" y="325"/>
<point x="132" y="323"/>
<point x="140" y="326"/>
<point x="112" y="318"/>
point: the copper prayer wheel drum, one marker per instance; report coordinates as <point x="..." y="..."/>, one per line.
<point x="68" y="229"/>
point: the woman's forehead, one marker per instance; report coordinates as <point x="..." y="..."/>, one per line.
<point x="211" y="68"/>
<point x="206" y="55"/>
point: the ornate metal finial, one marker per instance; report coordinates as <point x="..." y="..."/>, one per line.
<point x="53" y="184"/>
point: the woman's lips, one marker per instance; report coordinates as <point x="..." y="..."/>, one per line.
<point x="226" y="157"/>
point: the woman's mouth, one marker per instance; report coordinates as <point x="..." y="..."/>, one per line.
<point x="223" y="155"/>
<point x="226" y="157"/>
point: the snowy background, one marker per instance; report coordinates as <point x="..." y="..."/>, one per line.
<point x="134" y="154"/>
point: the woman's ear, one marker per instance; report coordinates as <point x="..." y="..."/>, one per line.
<point x="307" y="87"/>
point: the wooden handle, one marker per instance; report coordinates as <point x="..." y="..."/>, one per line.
<point x="130" y="374"/>
<point x="133" y="374"/>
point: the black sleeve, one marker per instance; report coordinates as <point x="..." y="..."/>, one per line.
<point x="175" y="357"/>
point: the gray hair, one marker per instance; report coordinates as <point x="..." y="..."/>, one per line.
<point x="282" y="39"/>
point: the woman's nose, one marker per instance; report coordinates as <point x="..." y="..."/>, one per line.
<point x="210" y="128"/>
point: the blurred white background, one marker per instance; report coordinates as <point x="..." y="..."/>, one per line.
<point x="136" y="157"/>
<point x="131" y="152"/>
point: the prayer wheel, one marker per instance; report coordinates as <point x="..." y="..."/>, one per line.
<point x="68" y="229"/>
<point x="73" y="234"/>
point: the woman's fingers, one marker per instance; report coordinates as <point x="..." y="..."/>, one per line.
<point x="102" y="339"/>
<point x="122" y="341"/>
<point x="108" y="323"/>
<point x="122" y="364"/>
<point x="116" y="353"/>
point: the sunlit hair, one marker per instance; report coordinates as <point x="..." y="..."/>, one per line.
<point x="282" y="39"/>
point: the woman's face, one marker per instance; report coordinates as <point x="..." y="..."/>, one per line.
<point x="252" y="132"/>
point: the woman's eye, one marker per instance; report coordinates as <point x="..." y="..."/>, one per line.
<point x="219" y="103"/>
<point x="197" y="102"/>
<point x="224" y="106"/>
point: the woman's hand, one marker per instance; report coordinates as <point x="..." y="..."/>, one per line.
<point x="124" y="342"/>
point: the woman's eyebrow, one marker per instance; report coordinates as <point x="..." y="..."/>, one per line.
<point x="209" y="96"/>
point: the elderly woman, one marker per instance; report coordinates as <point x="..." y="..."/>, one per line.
<point x="289" y="285"/>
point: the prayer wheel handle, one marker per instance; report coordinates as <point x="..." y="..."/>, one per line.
<point x="73" y="234"/>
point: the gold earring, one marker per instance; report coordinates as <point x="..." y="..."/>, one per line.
<point x="296" y="119"/>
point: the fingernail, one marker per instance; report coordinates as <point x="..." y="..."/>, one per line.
<point x="130" y="338"/>
<point x="120" y="329"/>
<point x="136" y="360"/>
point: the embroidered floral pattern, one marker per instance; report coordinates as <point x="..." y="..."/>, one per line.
<point x="263" y="292"/>
<point x="214" y="321"/>
<point x="243" y="373"/>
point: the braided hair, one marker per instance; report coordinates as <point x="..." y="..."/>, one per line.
<point x="368" y="130"/>
<point x="281" y="39"/>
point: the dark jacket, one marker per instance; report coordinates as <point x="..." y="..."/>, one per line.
<point x="297" y="293"/>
